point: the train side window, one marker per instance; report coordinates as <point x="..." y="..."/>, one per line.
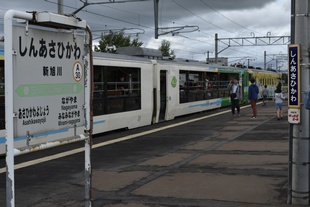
<point x="116" y="89"/>
<point x="193" y="86"/>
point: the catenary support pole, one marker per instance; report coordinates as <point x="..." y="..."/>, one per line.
<point x="60" y="7"/>
<point x="290" y="157"/>
<point x="265" y="64"/>
<point x="156" y="17"/>
<point x="300" y="134"/>
<point x="216" y="48"/>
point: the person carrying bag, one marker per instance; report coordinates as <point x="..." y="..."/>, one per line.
<point x="235" y="96"/>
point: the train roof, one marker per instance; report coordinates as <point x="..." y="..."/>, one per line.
<point x="265" y="71"/>
<point x="147" y="55"/>
<point x="219" y="68"/>
<point x="185" y="62"/>
<point x="140" y="52"/>
<point x="120" y="57"/>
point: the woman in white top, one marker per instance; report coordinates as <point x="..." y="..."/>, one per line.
<point x="278" y="96"/>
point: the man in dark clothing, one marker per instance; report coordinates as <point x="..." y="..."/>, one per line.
<point x="279" y="86"/>
<point x="253" y="96"/>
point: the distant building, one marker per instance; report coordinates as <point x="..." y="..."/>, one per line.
<point x="220" y="61"/>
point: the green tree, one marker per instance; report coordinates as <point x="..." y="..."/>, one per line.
<point x="165" y="49"/>
<point x="118" y="40"/>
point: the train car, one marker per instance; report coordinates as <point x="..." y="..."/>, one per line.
<point x="123" y="92"/>
<point x="189" y="87"/>
<point x="130" y="91"/>
<point x="268" y="78"/>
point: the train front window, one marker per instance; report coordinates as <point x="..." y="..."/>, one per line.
<point x="116" y="89"/>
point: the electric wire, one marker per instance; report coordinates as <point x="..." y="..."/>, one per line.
<point x="200" y="17"/>
<point x="188" y="48"/>
<point x="227" y="17"/>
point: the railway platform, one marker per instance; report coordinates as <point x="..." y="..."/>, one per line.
<point x="245" y="163"/>
<point x="207" y="161"/>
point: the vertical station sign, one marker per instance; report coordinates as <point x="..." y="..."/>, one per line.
<point x="48" y="80"/>
<point x="294" y="83"/>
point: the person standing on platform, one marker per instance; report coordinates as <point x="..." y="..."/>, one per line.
<point x="265" y="95"/>
<point x="253" y="96"/>
<point x="235" y="92"/>
<point x="278" y="96"/>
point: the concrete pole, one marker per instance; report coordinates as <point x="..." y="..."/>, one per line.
<point x="216" y="48"/>
<point x="293" y="4"/>
<point x="300" y="148"/>
<point x="60" y="7"/>
<point x="156" y="18"/>
<point x="265" y="64"/>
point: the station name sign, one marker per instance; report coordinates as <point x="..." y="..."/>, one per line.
<point x="294" y="76"/>
<point x="294" y="84"/>
<point x="48" y="80"/>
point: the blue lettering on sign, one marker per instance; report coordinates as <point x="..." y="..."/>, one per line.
<point x="293" y="77"/>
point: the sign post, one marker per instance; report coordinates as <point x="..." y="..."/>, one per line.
<point x="47" y="82"/>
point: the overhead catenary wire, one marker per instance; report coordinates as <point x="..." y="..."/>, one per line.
<point x="202" y="1"/>
<point x="201" y="17"/>
<point x="141" y="19"/>
<point x="94" y="13"/>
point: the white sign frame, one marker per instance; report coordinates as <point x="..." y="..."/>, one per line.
<point x="44" y="19"/>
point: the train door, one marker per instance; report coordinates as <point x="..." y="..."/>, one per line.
<point x="163" y="95"/>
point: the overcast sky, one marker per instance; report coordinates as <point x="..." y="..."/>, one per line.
<point x="227" y="18"/>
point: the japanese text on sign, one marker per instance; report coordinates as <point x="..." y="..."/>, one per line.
<point x="54" y="49"/>
<point x="70" y="112"/>
<point x="33" y="115"/>
<point x="52" y="71"/>
<point x="293" y="116"/>
<point x="294" y="76"/>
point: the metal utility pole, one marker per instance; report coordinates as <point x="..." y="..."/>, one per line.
<point x="299" y="133"/>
